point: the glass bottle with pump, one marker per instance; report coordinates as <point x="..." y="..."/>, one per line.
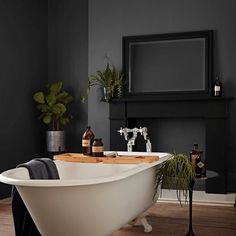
<point x="197" y="161"/>
<point x="87" y="141"/>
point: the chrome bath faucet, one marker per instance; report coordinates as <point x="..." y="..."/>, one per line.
<point x="131" y="141"/>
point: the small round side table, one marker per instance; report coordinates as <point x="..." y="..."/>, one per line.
<point x="209" y="174"/>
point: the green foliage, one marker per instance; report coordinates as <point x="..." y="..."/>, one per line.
<point x="110" y="79"/>
<point x="53" y="105"/>
<point x="177" y="171"/>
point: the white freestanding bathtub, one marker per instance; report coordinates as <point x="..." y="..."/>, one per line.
<point x="89" y="199"/>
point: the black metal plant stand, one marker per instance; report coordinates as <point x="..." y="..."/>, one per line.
<point x="190" y="229"/>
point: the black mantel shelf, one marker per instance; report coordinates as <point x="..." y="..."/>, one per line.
<point x="214" y="111"/>
<point x="174" y="98"/>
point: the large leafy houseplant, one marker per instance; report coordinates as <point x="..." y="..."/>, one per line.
<point x="177" y="172"/>
<point x="110" y="81"/>
<point x="53" y="106"/>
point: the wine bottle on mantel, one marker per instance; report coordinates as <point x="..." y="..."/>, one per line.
<point x="87" y="141"/>
<point x="217" y="88"/>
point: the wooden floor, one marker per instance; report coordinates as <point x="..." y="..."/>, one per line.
<point x="165" y="218"/>
<point x="6" y="221"/>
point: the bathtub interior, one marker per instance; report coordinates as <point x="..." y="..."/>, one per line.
<point x="78" y="171"/>
<point x="85" y="173"/>
<point x="69" y="170"/>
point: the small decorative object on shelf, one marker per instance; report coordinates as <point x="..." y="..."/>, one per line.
<point x="110" y="81"/>
<point x="87" y="141"/>
<point x="217" y="87"/>
<point x="97" y="148"/>
<point x="196" y="157"/>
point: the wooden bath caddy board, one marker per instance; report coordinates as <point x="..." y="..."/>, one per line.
<point x="79" y="157"/>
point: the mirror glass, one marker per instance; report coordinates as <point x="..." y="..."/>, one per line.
<point x="170" y="64"/>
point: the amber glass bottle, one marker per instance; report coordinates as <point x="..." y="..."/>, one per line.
<point x="197" y="161"/>
<point x="97" y="148"/>
<point x="87" y="141"/>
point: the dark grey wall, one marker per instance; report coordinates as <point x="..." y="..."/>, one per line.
<point x="23" y="70"/>
<point x="41" y="41"/>
<point x="68" y="59"/>
<point x="108" y="22"/>
<point x="27" y="65"/>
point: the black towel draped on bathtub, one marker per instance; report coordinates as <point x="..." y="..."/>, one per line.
<point x="39" y="168"/>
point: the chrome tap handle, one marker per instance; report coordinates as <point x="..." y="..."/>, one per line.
<point x="120" y="131"/>
<point x="135" y="132"/>
<point x="141" y="130"/>
<point x="131" y="140"/>
<point x="124" y="131"/>
<point x="144" y="132"/>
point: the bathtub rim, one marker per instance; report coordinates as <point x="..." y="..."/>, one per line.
<point x="5" y="176"/>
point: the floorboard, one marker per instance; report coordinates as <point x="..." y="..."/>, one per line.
<point x="166" y="219"/>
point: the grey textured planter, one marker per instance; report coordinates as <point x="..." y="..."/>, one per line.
<point x="55" y="141"/>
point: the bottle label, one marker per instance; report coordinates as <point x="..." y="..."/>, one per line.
<point x="86" y="143"/>
<point x="97" y="149"/>
<point x="200" y="164"/>
<point x="217" y="88"/>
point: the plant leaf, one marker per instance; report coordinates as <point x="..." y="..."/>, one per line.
<point x="47" y="119"/>
<point x="51" y="99"/>
<point x="59" y="109"/>
<point x="52" y="105"/>
<point x="56" y="87"/>
<point x="109" y="78"/>
<point x="61" y="95"/>
<point x="178" y="171"/>
<point x="68" y="99"/>
<point x="43" y="107"/>
<point x="39" y="97"/>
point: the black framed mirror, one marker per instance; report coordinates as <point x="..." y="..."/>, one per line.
<point x="175" y="63"/>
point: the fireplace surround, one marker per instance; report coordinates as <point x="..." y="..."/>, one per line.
<point x="213" y="111"/>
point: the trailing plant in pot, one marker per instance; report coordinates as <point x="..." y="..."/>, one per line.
<point x="177" y="172"/>
<point x="54" y="112"/>
<point x="110" y="81"/>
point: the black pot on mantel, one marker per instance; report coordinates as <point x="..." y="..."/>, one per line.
<point x="55" y="141"/>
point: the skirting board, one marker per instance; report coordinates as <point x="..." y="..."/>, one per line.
<point x="200" y="197"/>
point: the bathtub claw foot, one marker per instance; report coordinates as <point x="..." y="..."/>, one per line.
<point x="142" y="220"/>
<point x="146" y="225"/>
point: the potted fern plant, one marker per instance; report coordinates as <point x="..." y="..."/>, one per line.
<point x="54" y="113"/>
<point x="177" y="172"/>
<point x="110" y="81"/>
